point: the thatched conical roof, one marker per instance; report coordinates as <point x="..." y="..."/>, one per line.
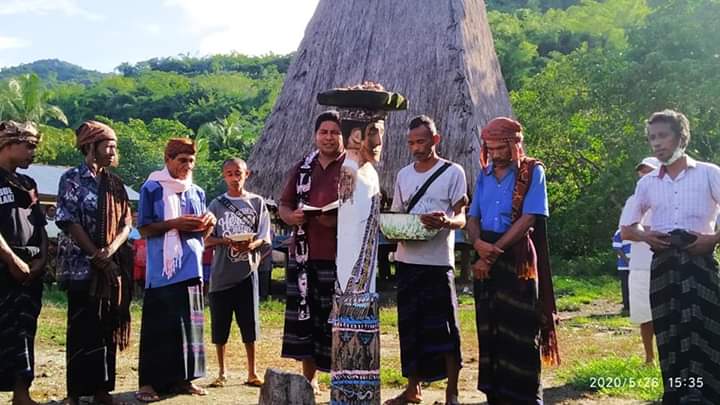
<point x="438" y="53"/>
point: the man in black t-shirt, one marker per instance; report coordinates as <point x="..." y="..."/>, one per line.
<point x="23" y="253"/>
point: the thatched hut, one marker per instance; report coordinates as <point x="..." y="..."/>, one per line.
<point x="439" y="53"/>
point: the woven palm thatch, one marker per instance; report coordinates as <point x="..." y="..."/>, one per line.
<point x="438" y="53"/>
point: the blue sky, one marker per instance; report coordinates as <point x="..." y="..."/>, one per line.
<point x="102" y="34"/>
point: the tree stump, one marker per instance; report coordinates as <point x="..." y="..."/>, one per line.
<point x="283" y="388"/>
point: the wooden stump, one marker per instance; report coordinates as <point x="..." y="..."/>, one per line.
<point x="283" y="388"/>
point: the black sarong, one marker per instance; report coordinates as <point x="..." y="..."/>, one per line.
<point x="507" y="314"/>
<point x="171" y="335"/>
<point x="427" y="320"/>
<point x="91" y="352"/>
<point x="685" y="302"/>
<point x="19" y="311"/>
<point x="310" y="338"/>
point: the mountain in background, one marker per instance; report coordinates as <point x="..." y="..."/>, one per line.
<point x="53" y="70"/>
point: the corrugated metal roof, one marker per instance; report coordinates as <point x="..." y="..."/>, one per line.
<point x="47" y="178"/>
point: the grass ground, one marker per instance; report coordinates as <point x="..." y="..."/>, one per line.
<point x="599" y="348"/>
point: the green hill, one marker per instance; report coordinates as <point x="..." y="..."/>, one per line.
<point x="53" y="70"/>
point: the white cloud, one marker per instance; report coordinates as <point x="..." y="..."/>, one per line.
<point x="70" y="8"/>
<point x="12" y="42"/>
<point x="249" y="27"/>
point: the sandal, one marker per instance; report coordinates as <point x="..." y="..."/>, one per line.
<point x="219" y="382"/>
<point x="254" y="382"/>
<point x="147" y="396"/>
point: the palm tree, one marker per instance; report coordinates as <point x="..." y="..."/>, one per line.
<point x="230" y="136"/>
<point x="25" y="99"/>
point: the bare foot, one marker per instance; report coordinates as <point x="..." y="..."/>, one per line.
<point x="188" y="388"/>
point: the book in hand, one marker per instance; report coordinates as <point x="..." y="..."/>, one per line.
<point x="325" y="209"/>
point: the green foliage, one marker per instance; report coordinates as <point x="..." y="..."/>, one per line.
<point x="584" y="113"/>
<point x="142" y="146"/>
<point x="51" y="70"/>
<point x="616" y="376"/>
<point x="510" y="5"/>
<point x="254" y="66"/>
<point x="527" y="39"/>
<point x="25" y="98"/>
<point x="58" y="147"/>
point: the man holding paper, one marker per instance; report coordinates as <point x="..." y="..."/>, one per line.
<point x="313" y="181"/>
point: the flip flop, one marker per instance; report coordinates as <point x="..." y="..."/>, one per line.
<point x="145" y="396"/>
<point x="219" y="382"/>
<point x="254" y="382"/>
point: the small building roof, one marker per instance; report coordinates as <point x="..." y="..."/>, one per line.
<point x="47" y="178"/>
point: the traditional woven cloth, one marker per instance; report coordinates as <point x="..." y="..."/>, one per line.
<point x="304" y="182"/>
<point x="15" y="132"/>
<point x="171" y="335"/>
<point x="685" y="301"/>
<point x="355" y="375"/>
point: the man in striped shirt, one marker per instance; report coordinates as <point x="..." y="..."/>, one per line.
<point x="683" y="200"/>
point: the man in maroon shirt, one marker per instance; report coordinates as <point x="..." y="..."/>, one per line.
<point x="310" y="287"/>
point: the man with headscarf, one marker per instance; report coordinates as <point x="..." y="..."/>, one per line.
<point x="312" y="182"/>
<point x="93" y="264"/>
<point x="514" y="301"/>
<point x="23" y="253"/>
<point x="173" y="217"/>
<point x="682" y="198"/>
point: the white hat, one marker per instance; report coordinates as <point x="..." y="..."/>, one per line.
<point x="650" y="162"/>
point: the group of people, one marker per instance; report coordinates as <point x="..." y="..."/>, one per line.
<point x="95" y="266"/>
<point x="332" y="199"/>
<point x="515" y="305"/>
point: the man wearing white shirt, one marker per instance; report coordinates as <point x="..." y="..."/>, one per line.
<point x="639" y="269"/>
<point x="683" y="201"/>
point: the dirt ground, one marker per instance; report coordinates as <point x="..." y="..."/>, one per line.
<point x="576" y="343"/>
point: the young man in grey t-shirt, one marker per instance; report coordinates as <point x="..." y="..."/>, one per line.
<point x="427" y="303"/>
<point x="234" y="280"/>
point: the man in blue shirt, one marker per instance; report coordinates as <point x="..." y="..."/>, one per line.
<point x="173" y="217"/>
<point x="514" y="302"/>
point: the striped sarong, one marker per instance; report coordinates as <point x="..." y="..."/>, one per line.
<point x="310" y="338"/>
<point x="685" y="301"/>
<point x="171" y="335"/>
<point x="427" y="320"/>
<point x="19" y="311"/>
<point x="507" y="315"/>
<point x="91" y="352"/>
